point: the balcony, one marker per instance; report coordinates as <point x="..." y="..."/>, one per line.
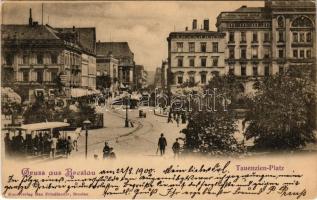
<point x="266" y="42"/>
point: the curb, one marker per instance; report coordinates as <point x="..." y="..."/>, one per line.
<point x="160" y="115"/>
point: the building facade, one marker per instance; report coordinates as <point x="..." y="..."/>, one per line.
<point x="263" y="41"/>
<point x="34" y="56"/>
<point x="122" y="52"/>
<point x="140" y="77"/>
<point x="194" y="56"/>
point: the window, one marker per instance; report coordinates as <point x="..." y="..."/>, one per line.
<point x="203" y="78"/>
<point x="231" y="53"/>
<point x="254" y="52"/>
<point x="243" y="53"/>
<point x="25" y="59"/>
<point x="215" y="61"/>
<point x="231" y="70"/>
<point x="231" y="37"/>
<point x="302" y="53"/>
<point x="281" y="69"/>
<point x="255" y="37"/>
<point x="280" y="36"/>
<point x="192" y="79"/>
<point x="308" y="37"/>
<point x="180" y="62"/>
<point x="308" y="53"/>
<point x="280" y="22"/>
<point x="39" y="76"/>
<point x="295" y="37"/>
<point x="243" y="37"/>
<point x="266" y="37"/>
<point x="281" y="53"/>
<point x="243" y="70"/>
<point x="192" y="62"/>
<point x="295" y="53"/>
<point x="203" y="62"/>
<point x="215" y="47"/>
<point x="301" y="37"/>
<point x="266" y="53"/>
<point x="266" y="70"/>
<point x="9" y="59"/>
<point x="40" y="59"/>
<point x="255" y="70"/>
<point x="191" y="46"/>
<point x="53" y="75"/>
<point x="54" y="59"/>
<point x="179" y="46"/>
<point x="179" y="79"/>
<point x="25" y="76"/>
<point x="203" y="47"/>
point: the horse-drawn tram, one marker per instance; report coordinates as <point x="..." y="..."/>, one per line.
<point x="46" y="139"/>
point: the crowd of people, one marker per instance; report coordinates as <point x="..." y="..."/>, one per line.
<point x="42" y="144"/>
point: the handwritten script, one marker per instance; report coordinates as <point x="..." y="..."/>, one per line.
<point x="173" y="181"/>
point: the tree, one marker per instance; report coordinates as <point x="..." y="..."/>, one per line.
<point x="281" y="114"/>
<point x="212" y="131"/>
<point x="39" y="111"/>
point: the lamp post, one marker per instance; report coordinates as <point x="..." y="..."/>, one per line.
<point x="86" y="124"/>
<point x="126" y="112"/>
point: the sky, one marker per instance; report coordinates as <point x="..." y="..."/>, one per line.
<point x="145" y="25"/>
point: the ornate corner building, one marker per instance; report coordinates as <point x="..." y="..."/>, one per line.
<point x="263" y="41"/>
<point x="34" y="55"/>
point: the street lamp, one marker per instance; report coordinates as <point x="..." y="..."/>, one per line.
<point x="126" y="112"/>
<point x="86" y="124"/>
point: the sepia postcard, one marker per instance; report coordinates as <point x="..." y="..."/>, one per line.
<point x="159" y="100"/>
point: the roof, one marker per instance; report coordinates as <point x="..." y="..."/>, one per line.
<point x="249" y="9"/>
<point x="26" y="32"/>
<point x="293" y="4"/>
<point x="44" y="125"/>
<point x="246" y="13"/>
<point x="197" y="32"/>
<point x="117" y="49"/>
<point x="86" y="36"/>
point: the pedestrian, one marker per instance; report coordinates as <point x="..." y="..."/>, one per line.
<point x="169" y="119"/>
<point x="176" y="148"/>
<point x="40" y="146"/>
<point x="35" y="145"/>
<point x="106" y="150"/>
<point x="7" y="144"/>
<point x="162" y="144"/>
<point x="69" y="146"/>
<point x="19" y="142"/>
<point x="53" y="141"/>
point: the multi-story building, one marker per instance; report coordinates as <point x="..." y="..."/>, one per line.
<point x="164" y="69"/>
<point x="261" y="41"/>
<point x="158" y="78"/>
<point x="140" y="77"/>
<point x="34" y="55"/>
<point x="107" y="65"/>
<point x="122" y="52"/>
<point x="85" y="38"/>
<point x="196" y="55"/>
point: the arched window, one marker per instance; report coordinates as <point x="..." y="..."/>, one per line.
<point x="302" y="22"/>
<point x="280" y="22"/>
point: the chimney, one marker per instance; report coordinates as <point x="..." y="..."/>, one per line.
<point x="194" y="24"/>
<point x="73" y="28"/>
<point x="206" y="24"/>
<point x="30" y="18"/>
